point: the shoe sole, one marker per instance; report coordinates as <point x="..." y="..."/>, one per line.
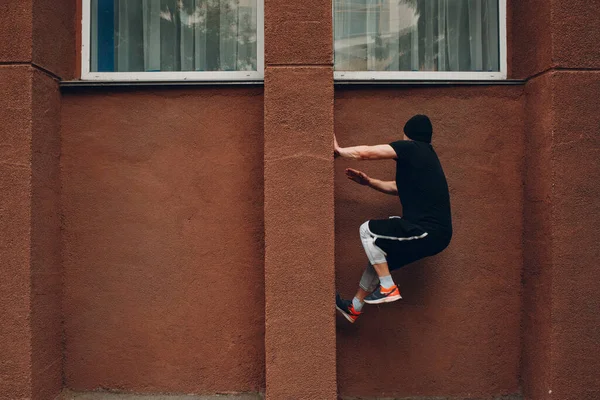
<point x="349" y="318"/>
<point x="388" y="299"/>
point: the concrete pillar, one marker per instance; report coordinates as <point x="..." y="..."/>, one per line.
<point x="560" y="296"/>
<point x="30" y="273"/>
<point x="299" y="207"/>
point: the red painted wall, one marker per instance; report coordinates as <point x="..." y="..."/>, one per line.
<point x="15" y="286"/>
<point x="162" y="218"/>
<point x="561" y="236"/>
<point x="537" y="241"/>
<point x="35" y="47"/>
<point x="576" y="221"/>
<point x="456" y="332"/>
<point x="30" y="275"/>
<point x="561" y="298"/>
<point x="162" y="203"/>
<point x="46" y="263"/>
<point x="300" y="340"/>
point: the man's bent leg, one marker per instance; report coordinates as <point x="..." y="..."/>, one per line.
<point x="368" y="282"/>
<point x="374" y="253"/>
<point x="388" y="291"/>
<point x="382" y="270"/>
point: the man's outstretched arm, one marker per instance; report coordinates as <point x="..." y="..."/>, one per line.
<point x="378" y="152"/>
<point x="387" y="187"/>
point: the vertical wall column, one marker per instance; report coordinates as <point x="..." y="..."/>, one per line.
<point x="554" y="47"/>
<point x="37" y="53"/>
<point x="299" y="208"/>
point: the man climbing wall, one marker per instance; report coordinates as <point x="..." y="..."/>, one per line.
<point x="425" y="227"/>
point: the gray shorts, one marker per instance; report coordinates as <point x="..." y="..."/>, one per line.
<point x="400" y="242"/>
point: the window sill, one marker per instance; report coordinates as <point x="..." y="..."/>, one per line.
<point x="410" y="83"/>
<point x="94" y="84"/>
<point x="428" y="82"/>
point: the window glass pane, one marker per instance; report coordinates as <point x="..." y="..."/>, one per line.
<point x="173" y="35"/>
<point x="416" y="35"/>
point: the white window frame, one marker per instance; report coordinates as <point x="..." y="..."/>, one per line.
<point x="200" y="76"/>
<point x="439" y="75"/>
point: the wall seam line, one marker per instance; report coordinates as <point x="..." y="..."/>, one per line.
<point x="46" y="71"/>
<point x="560" y="69"/>
<point x="32" y="65"/>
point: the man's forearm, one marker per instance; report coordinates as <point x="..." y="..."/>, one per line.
<point x="387" y="187"/>
<point x="354" y="152"/>
<point x="377" y="152"/>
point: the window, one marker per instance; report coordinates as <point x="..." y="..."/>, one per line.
<point x="420" y="39"/>
<point x="166" y="40"/>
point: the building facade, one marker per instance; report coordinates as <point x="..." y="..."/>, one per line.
<point x="174" y="222"/>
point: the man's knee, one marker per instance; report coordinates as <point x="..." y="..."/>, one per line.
<point x="364" y="230"/>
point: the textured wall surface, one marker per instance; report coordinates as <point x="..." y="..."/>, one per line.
<point x="16" y="31"/>
<point x="531" y="38"/>
<point x="163" y="240"/>
<point x="456" y="332"/>
<point x="41" y="32"/>
<point x="537" y="240"/>
<point x="560" y="317"/>
<point x="31" y="335"/>
<point x="575" y="31"/>
<point x="299" y="234"/>
<point x="54" y="36"/>
<point x="46" y="268"/>
<point x="37" y="37"/>
<point x="553" y="34"/>
<point x="561" y="299"/>
<point x="300" y="339"/>
<point x="576" y="235"/>
<point x="298" y="35"/>
<point x="15" y="213"/>
<point x="162" y="214"/>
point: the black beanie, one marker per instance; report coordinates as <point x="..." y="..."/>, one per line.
<point x="419" y="128"/>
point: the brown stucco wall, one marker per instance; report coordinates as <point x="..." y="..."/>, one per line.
<point x="299" y="234"/>
<point x="537" y="241"/>
<point x="46" y="269"/>
<point x="561" y="236"/>
<point x="36" y="46"/>
<point x="575" y="31"/>
<point x="15" y="212"/>
<point x="298" y="35"/>
<point x="456" y="332"/>
<point x="16" y="31"/>
<point x="54" y="36"/>
<point x="30" y="278"/>
<point x="41" y="32"/>
<point x="530" y="47"/>
<point x="553" y="34"/>
<point x="300" y="338"/>
<point x="160" y="226"/>
<point x="163" y="240"/>
<point x="576" y="234"/>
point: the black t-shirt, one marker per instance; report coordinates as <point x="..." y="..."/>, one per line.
<point x="422" y="186"/>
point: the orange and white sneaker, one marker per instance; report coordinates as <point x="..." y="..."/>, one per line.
<point x="383" y="295"/>
<point x="346" y="308"/>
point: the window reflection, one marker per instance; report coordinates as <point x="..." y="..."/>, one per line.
<point x="174" y="35"/>
<point x="416" y="35"/>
